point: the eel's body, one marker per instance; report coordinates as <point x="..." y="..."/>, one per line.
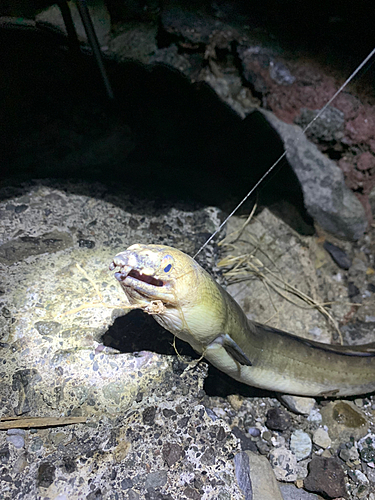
<point x="187" y="301"/>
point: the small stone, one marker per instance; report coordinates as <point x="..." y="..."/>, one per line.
<point x="133" y="495"/>
<point x="338" y="255"/>
<point x="263" y="480"/>
<point x="16" y="437"/>
<point x="315" y="416"/>
<point x="298" y="404"/>
<point x="277" y="419"/>
<point x="172" y="452"/>
<point x="263" y="447"/>
<point x="361" y="477"/>
<point x="46" y="474"/>
<point x="235" y="401"/>
<point x="300" y="444"/>
<point x="208" y="457"/>
<point x="284" y="464"/>
<point x="291" y="492"/>
<point x="254" y="431"/>
<point x="369" y="471"/>
<point x="321" y="438"/>
<point x="349" y="454"/>
<point x="246" y="442"/>
<point x="326" y="454"/>
<point x="344" y="420"/>
<point x="156" y="479"/>
<point x="366" y="447"/>
<point x="326" y="477"/>
<point x="267" y="436"/>
<point x="126" y="483"/>
<point x="148" y="415"/>
<point x="242" y="471"/>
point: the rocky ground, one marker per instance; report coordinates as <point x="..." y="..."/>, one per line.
<point x="148" y="428"/>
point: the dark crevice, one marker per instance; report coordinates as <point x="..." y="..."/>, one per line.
<point x="138" y="331"/>
<point x="162" y="138"/>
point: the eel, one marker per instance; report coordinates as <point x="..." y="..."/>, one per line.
<point x="188" y="302"/>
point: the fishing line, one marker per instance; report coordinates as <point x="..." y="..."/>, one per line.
<point x="370" y="55"/>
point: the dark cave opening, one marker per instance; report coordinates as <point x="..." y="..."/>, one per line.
<point x="138" y="331"/>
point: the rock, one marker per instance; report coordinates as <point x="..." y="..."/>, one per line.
<point x="326" y="476"/>
<point x="135" y="41"/>
<point x="277" y="419"/>
<point x="145" y="425"/>
<point x="321" y="438"/>
<point x="172" y="452"/>
<point x="369" y="471"/>
<point x="349" y="454"/>
<point x="328" y="127"/>
<point x="245" y="441"/>
<point x="344" y="420"/>
<point x="331" y="204"/>
<point x="361" y="478"/>
<point x="300" y="444"/>
<point x="235" y="401"/>
<point x="358" y="332"/>
<point x="263" y="480"/>
<point x="282" y="250"/>
<point x="242" y="470"/>
<point x="16" y="437"/>
<point x="315" y="416"/>
<point x="366" y="447"/>
<point x="291" y="492"/>
<point x="284" y="464"/>
<point x="338" y="255"/>
<point x="280" y="73"/>
<point x="298" y="404"/>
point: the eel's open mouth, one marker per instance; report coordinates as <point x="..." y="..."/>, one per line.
<point x="145" y="278"/>
<point x="126" y="270"/>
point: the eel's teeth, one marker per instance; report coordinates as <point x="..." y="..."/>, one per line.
<point x="119" y="277"/>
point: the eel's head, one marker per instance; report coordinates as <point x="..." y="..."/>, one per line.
<point x="149" y="273"/>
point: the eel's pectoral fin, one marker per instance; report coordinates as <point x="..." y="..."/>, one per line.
<point x="232" y="349"/>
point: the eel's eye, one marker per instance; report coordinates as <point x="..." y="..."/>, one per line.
<point x="167" y="263"/>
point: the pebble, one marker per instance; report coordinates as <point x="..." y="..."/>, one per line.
<point x="315" y="416"/>
<point x="369" y="471"/>
<point x="344" y="420"/>
<point x="291" y="492"/>
<point x="298" y="404"/>
<point x="361" y="477"/>
<point x="366" y="447"/>
<point x="349" y="454"/>
<point x="284" y="464"/>
<point x="321" y="438"/>
<point x="254" y="431"/>
<point x="338" y="255"/>
<point x="235" y="401"/>
<point x="156" y="479"/>
<point x="277" y="419"/>
<point x="16" y="437"/>
<point x="326" y="477"/>
<point x="242" y="471"/>
<point x="300" y="444"/>
<point x="264" y="483"/>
